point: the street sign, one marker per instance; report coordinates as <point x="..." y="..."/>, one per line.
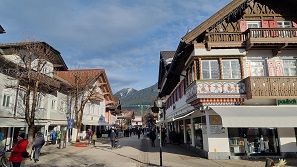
<point x="70" y="123"/>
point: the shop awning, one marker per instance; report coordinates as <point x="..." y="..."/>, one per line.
<point x="11" y="122"/>
<point x="96" y="123"/>
<point x="183" y="115"/>
<point x="257" y="116"/>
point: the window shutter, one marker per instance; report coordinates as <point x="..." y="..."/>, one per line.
<point x="272" y="23"/>
<point x="265" y="24"/>
<point x="279" y="68"/>
<point x="248" y="69"/>
<point x="271" y="67"/>
<point x="242" y="26"/>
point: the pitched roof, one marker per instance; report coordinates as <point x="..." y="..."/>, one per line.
<point x="221" y="14"/>
<point x="2" y="30"/>
<point x="86" y="75"/>
<point x="58" y="61"/>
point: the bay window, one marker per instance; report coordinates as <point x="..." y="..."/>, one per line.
<point x="210" y="69"/>
<point x="231" y="69"/>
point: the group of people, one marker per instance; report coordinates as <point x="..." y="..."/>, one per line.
<point x="20" y="148"/>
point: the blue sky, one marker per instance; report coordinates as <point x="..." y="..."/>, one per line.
<point x="124" y="37"/>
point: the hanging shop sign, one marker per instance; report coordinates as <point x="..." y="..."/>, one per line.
<point x="287" y="102"/>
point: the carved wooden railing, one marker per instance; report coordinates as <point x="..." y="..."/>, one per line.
<point x="271" y="33"/>
<point x="271" y="87"/>
<point x="225" y="37"/>
<point x="268" y="35"/>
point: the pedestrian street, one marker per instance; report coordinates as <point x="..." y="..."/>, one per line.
<point x="131" y="152"/>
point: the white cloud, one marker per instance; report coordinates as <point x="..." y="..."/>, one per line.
<point x="124" y="37"/>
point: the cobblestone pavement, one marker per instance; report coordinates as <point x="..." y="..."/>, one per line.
<point x="132" y="152"/>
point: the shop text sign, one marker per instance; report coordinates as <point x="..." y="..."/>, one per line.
<point x="287" y="102"/>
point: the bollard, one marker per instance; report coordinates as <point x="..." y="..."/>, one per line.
<point x="269" y="162"/>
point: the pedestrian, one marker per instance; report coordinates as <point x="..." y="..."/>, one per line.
<point x="37" y="145"/>
<point x="59" y="136"/>
<point x="54" y="136"/>
<point x="153" y="137"/>
<point x="112" y="138"/>
<point x="16" y="154"/>
<point x="138" y="133"/>
<point x="94" y="138"/>
<point x="90" y="134"/>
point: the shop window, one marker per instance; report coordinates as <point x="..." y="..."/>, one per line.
<point x="231" y="69"/>
<point x="181" y="131"/>
<point x="188" y="131"/>
<point x="253" y="141"/>
<point x="290" y="67"/>
<point x="210" y="69"/>
<point x="198" y="135"/>
<point x="6" y="101"/>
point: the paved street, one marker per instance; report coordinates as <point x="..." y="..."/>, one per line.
<point x="132" y="152"/>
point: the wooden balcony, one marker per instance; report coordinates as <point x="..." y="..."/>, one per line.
<point x="271" y="87"/>
<point x="278" y="38"/>
<point x="208" y="89"/>
<point x="273" y="37"/>
<point x="235" y="39"/>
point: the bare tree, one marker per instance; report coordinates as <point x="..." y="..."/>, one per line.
<point x="29" y="64"/>
<point x="84" y="90"/>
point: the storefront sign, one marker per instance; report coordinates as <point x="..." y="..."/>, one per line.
<point x="287" y="102"/>
<point x="216" y="129"/>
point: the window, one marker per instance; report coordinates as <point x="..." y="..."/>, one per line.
<point x="231" y="69"/>
<point x="210" y="69"/>
<point x="284" y="24"/>
<point x="258" y="68"/>
<point x="290" y="68"/>
<point x="40" y="103"/>
<point x="5" y="102"/>
<point x="253" y="24"/>
<point x="53" y="104"/>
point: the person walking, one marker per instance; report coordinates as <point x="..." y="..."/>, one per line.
<point x="59" y="137"/>
<point x="90" y="134"/>
<point x="112" y="138"/>
<point x="37" y="145"/>
<point x="153" y="137"/>
<point x="16" y="154"/>
<point x="94" y="138"/>
<point x="138" y="133"/>
<point x="54" y="136"/>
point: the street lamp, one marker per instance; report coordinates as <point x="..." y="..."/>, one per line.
<point x="156" y="109"/>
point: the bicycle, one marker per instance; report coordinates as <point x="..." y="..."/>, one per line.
<point x="4" y="158"/>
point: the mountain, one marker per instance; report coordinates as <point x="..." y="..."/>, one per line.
<point x="139" y="101"/>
